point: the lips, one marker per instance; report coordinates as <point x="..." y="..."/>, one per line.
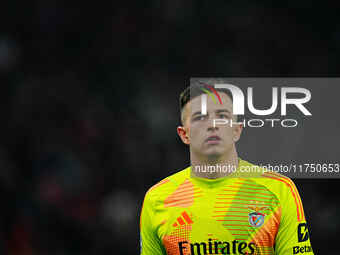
<point x="213" y="139"/>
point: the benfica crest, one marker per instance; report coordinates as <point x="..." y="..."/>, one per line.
<point x="256" y="219"/>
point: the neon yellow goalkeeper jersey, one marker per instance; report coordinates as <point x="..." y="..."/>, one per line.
<point x="184" y="215"/>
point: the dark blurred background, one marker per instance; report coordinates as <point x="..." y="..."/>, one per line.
<point x="89" y="108"/>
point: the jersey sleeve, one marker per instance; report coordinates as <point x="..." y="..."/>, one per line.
<point x="150" y="244"/>
<point x="293" y="235"/>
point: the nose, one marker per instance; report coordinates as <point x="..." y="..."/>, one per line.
<point x="212" y="125"/>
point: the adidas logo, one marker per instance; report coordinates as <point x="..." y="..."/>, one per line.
<point x="183" y="220"/>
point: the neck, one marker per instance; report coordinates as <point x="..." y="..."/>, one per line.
<point x="214" y="167"/>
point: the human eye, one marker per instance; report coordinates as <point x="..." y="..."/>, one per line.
<point x="199" y="117"/>
<point x="223" y="116"/>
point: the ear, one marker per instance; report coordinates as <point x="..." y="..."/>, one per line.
<point x="183" y="134"/>
<point x="237" y="131"/>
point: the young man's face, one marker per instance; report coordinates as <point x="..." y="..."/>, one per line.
<point x="205" y="139"/>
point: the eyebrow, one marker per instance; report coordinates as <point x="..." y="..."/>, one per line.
<point x="217" y="111"/>
<point x="222" y="110"/>
<point x="197" y="113"/>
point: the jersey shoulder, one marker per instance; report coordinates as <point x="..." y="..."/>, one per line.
<point x="281" y="185"/>
<point x="168" y="184"/>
